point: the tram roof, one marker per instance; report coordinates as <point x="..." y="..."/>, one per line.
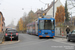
<point x="32" y="23"/>
<point x="46" y="19"/>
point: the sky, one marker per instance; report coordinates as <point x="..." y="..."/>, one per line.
<point x="12" y="9"/>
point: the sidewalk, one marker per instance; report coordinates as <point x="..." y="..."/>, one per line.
<point x="1" y="37"/>
<point x="60" y="36"/>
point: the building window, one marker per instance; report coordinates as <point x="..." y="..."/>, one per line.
<point x="2" y="24"/>
<point x="0" y="16"/>
<point x="2" y="29"/>
<point x="0" y="19"/>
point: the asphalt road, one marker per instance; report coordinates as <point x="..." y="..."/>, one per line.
<point x="31" y="42"/>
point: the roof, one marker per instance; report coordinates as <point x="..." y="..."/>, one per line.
<point x="39" y="11"/>
<point x="2" y="15"/>
<point x="49" y="7"/>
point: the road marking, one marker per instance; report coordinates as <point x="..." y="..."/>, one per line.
<point x="64" y="41"/>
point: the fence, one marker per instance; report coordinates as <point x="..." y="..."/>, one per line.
<point x="69" y="23"/>
<point x="63" y="27"/>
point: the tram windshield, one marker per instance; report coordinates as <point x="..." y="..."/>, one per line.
<point x="46" y="24"/>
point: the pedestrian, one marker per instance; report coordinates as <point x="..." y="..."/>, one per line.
<point x="67" y="30"/>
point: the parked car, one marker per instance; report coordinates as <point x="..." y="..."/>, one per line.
<point x="11" y="34"/>
<point x="71" y="36"/>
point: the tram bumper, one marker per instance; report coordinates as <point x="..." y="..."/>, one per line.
<point x="45" y="36"/>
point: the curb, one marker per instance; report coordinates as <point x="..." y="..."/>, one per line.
<point x="61" y="36"/>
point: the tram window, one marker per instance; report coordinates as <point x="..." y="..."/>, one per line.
<point x="41" y="24"/>
<point x="46" y="24"/>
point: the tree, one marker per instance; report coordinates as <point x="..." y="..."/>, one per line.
<point x="71" y="3"/>
<point x="60" y="13"/>
<point x="31" y="16"/>
<point x="21" y="24"/>
<point x="66" y="12"/>
<point x="17" y="27"/>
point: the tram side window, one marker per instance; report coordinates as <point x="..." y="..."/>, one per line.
<point x="41" y="24"/>
<point x="53" y="26"/>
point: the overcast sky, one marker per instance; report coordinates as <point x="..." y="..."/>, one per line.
<point x="12" y="9"/>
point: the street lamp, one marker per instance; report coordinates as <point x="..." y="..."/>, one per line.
<point x="23" y="21"/>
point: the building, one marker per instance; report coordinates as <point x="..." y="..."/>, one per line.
<point x="38" y="13"/>
<point x="49" y="10"/>
<point x="2" y="23"/>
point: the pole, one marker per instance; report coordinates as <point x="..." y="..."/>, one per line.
<point x="53" y="7"/>
<point x="71" y="18"/>
<point x="42" y="12"/>
<point x="11" y="36"/>
<point x="64" y="19"/>
<point x="23" y="21"/>
<point x="23" y="27"/>
<point x="62" y="34"/>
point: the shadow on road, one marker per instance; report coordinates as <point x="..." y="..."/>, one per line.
<point x="10" y="40"/>
<point x="72" y="41"/>
<point x="46" y="38"/>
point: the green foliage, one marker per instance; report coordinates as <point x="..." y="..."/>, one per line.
<point x="66" y="12"/>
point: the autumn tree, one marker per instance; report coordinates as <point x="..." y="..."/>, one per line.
<point x="31" y="16"/>
<point x="25" y="20"/>
<point x="21" y="24"/>
<point x="60" y="13"/>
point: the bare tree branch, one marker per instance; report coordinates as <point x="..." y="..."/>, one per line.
<point x="72" y="3"/>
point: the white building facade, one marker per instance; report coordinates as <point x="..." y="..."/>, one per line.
<point x="57" y="4"/>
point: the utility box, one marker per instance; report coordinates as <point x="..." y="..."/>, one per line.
<point x="57" y="31"/>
